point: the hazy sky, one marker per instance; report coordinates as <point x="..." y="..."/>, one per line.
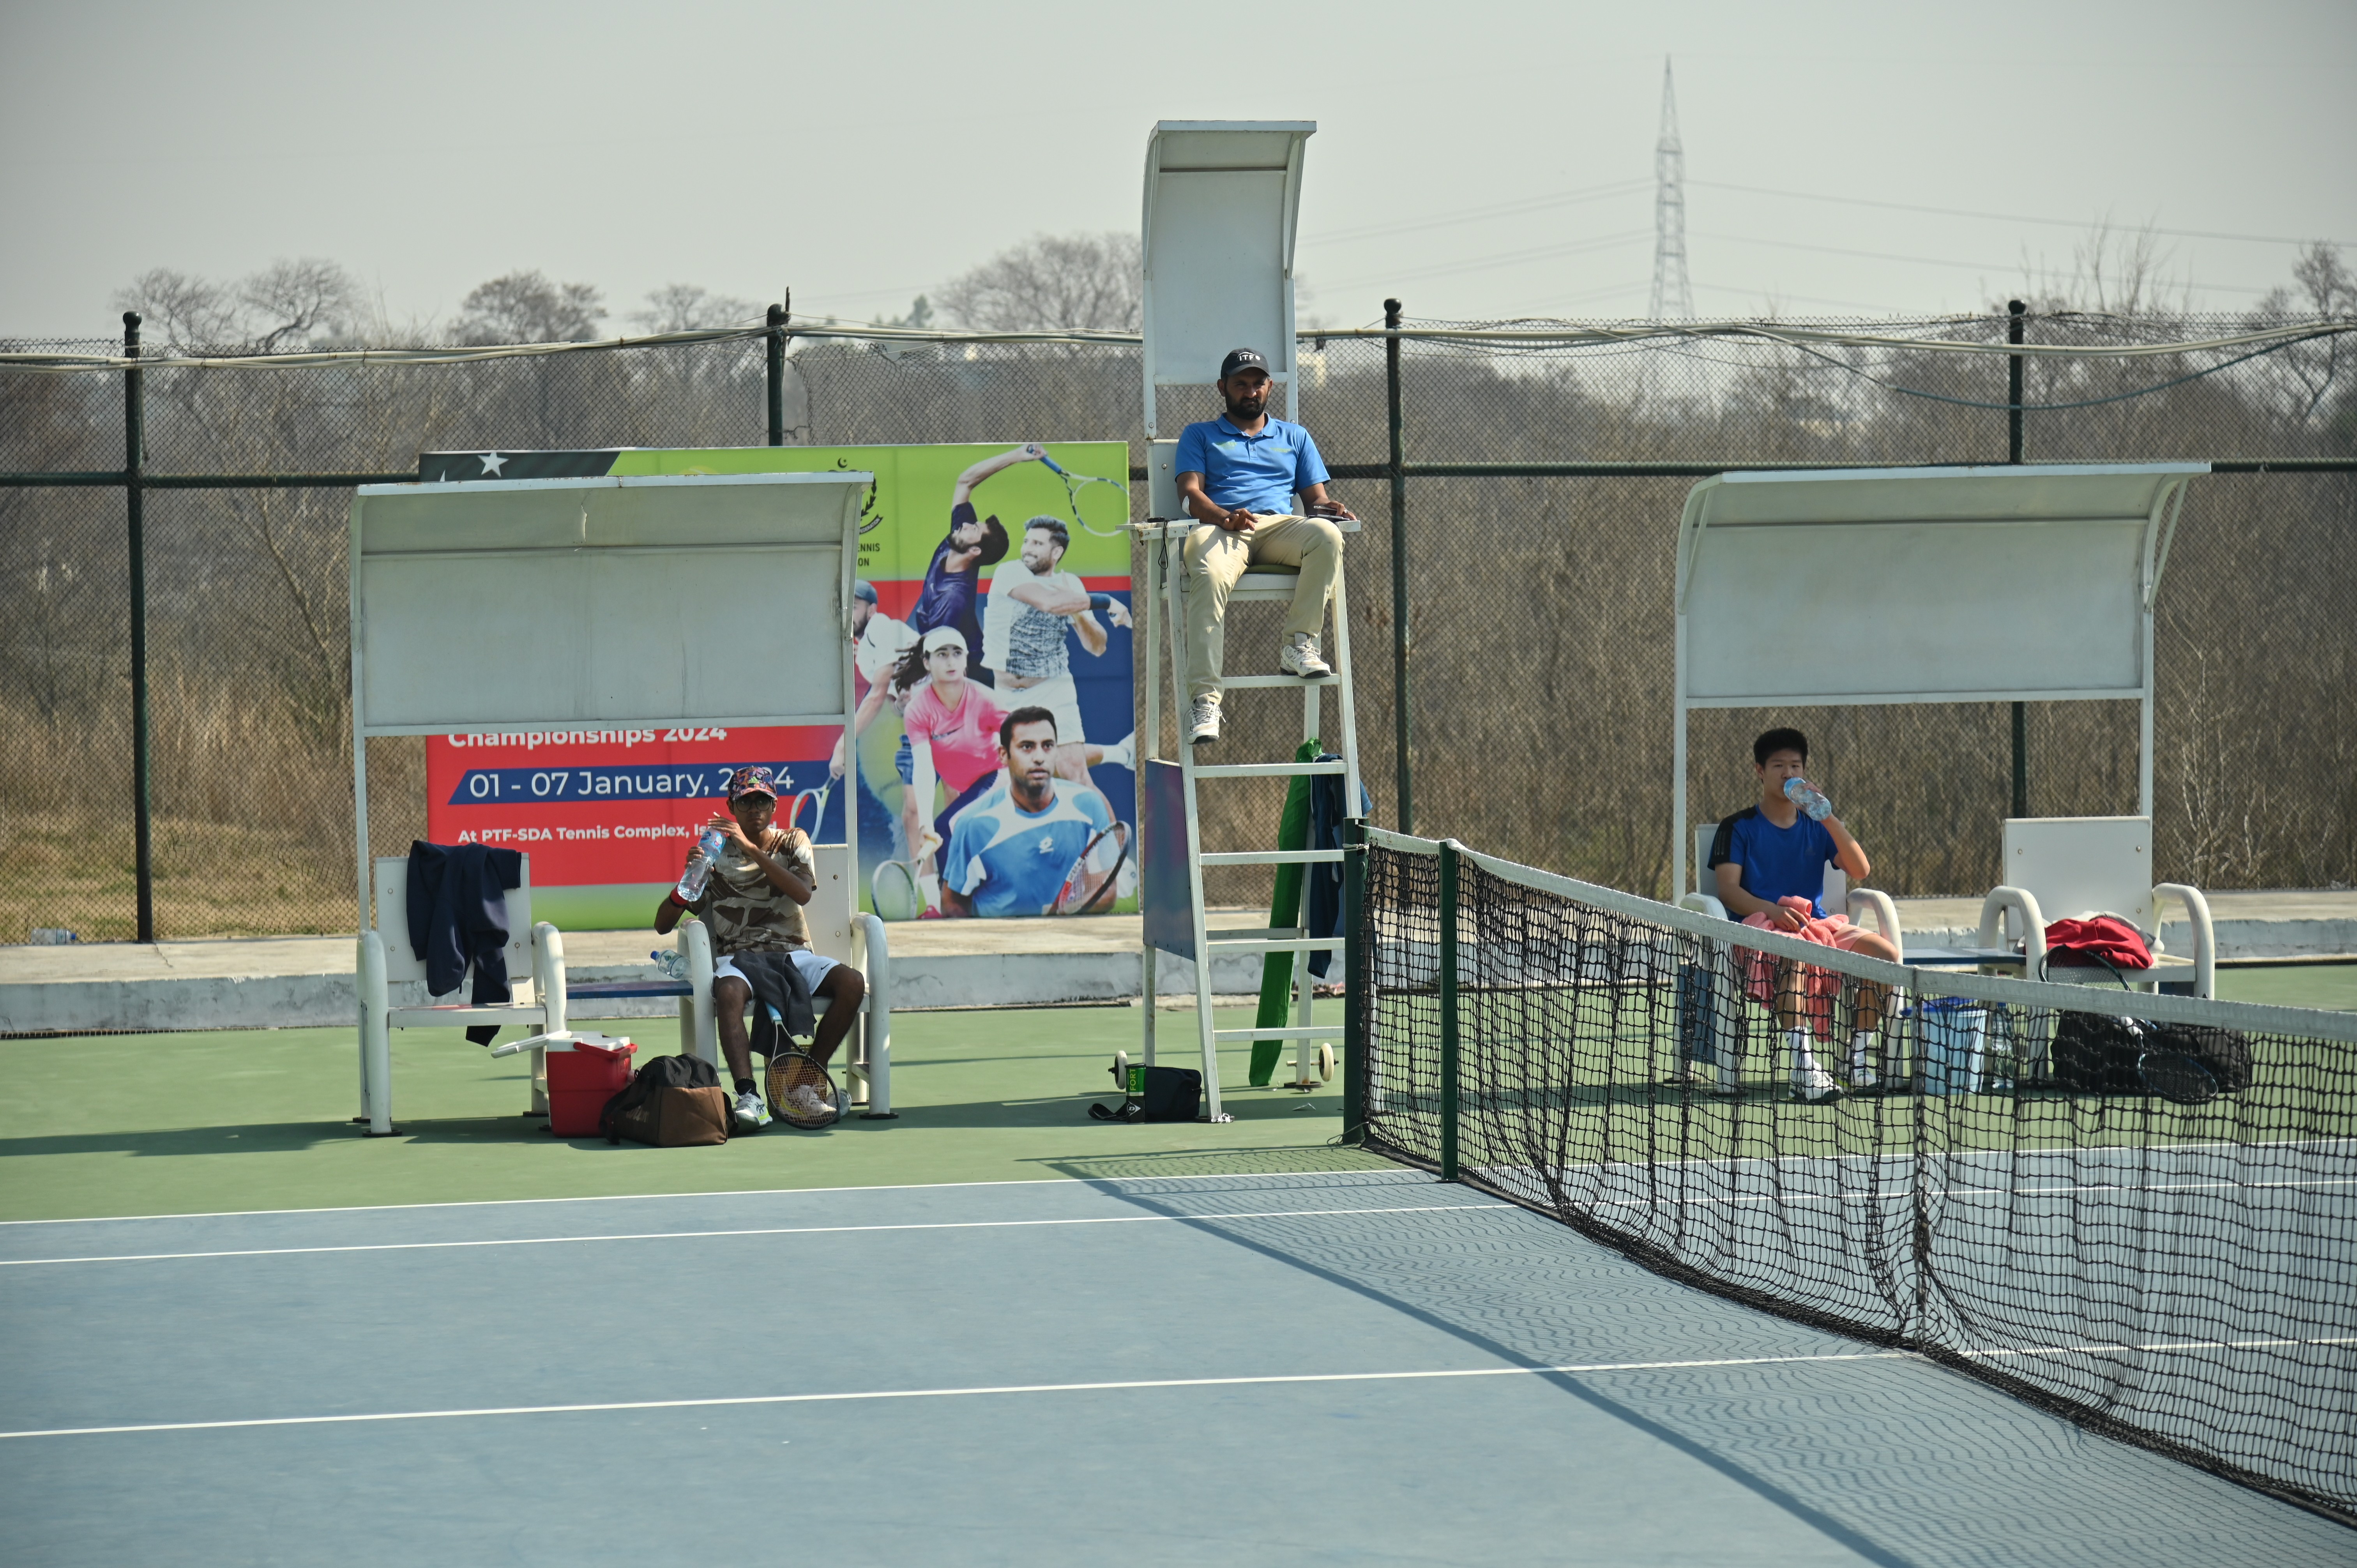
<point x="864" y="153"/>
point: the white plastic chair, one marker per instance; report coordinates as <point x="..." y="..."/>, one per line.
<point x="2059" y="869"/>
<point x="535" y="960"/>
<point x="840" y="930"/>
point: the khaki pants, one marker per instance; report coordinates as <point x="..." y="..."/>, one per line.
<point x="1216" y="558"/>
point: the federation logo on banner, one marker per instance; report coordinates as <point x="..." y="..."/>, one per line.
<point x="615" y="806"/>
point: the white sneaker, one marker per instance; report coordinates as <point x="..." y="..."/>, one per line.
<point x="809" y="1103"/>
<point x="1811" y="1082"/>
<point x="1203" y="721"/>
<point x="1861" y="1076"/>
<point x="1122" y="753"/>
<point x="751" y="1111"/>
<point x="1300" y="657"/>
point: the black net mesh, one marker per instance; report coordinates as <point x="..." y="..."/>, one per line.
<point x="2136" y="1213"/>
<point x="1540" y="670"/>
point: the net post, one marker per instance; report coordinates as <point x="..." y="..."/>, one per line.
<point x="1449" y="852"/>
<point x="1357" y="956"/>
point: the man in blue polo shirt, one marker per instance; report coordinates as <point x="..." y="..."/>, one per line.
<point x="1238" y="474"/>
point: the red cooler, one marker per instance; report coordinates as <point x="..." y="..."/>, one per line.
<point x="582" y="1080"/>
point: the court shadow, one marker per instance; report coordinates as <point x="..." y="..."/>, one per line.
<point x="1892" y="1456"/>
<point x="277" y="1137"/>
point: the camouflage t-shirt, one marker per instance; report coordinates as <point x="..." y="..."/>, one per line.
<point x="744" y="911"/>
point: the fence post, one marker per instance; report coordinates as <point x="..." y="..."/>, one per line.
<point x="777" y="347"/>
<point x="135" y="497"/>
<point x="1400" y="704"/>
<point x="2014" y="309"/>
<point x="1449" y="850"/>
<point x="1357" y="960"/>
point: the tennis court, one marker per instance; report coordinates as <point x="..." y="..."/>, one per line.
<point x="1336" y="1365"/>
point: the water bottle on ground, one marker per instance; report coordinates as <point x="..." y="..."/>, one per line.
<point x="699" y="866"/>
<point x="1809" y="798"/>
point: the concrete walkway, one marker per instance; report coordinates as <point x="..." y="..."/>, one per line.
<point x="266" y="981"/>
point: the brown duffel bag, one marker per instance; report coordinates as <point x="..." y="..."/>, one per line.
<point x="673" y="1102"/>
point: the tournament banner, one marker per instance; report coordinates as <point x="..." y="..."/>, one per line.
<point x="948" y="534"/>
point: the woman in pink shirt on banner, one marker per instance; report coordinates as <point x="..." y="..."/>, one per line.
<point x="953" y="726"/>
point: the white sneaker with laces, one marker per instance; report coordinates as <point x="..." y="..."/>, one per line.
<point x="1122" y="753"/>
<point x="1203" y="721"/>
<point x="808" y="1101"/>
<point x="751" y="1111"/>
<point x="1301" y="657"/>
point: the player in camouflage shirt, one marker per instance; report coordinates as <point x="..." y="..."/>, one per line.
<point x="753" y="903"/>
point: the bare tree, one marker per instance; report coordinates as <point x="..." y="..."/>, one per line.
<point x="294" y="304"/>
<point x="686" y="307"/>
<point x="2311" y="370"/>
<point x="526" y="307"/>
<point x="1054" y="280"/>
<point x="2112" y="273"/>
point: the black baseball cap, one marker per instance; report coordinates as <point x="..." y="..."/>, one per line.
<point x="1243" y="360"/>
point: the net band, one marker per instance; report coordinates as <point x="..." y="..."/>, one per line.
<point x="2134" y="1211"/>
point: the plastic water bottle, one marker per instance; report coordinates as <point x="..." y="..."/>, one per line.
<point x="699" y="866"/>
<point x="672" y="965"/>
<point x="1809" y="798"/>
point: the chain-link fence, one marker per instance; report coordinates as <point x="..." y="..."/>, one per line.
<point x="1540" y="668"/>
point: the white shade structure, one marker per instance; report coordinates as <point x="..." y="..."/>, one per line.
<point x="2002" y="583"/>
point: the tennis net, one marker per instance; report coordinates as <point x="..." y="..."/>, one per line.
<point x="2133" y="1210"/>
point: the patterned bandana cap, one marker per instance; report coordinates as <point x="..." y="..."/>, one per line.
<point x="752" y="781"/>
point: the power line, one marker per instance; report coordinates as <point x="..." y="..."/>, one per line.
<point x="1511" y="258"/>
<point x="1932" y="260"/>
<point x="2003" y="217"/>
<point x="1477" y="214"/>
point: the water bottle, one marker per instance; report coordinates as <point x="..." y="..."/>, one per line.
<point x="1809" y="798"/>
<point x="699" y="866"/>
<point x="672" y="965"/>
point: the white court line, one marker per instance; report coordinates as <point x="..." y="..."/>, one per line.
<point x="1386" y="1169"/>
<point x="1492" y="1208"/>
<point x="956" y="1393"/>
<point x="1904" y="1195"/>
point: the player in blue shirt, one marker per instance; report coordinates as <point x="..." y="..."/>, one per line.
<point x="1770" y="861"/>
<point x="1239" y="473"/>
<point x="1010" y="850"/>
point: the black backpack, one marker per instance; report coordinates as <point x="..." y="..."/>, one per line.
<point x="636" y="1098"/>
<point x="1170" y="1094"/>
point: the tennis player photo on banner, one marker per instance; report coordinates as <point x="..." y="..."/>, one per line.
<point x="993" y="579"/>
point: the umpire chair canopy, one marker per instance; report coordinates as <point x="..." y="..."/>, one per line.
<point x="1222" y="197"/>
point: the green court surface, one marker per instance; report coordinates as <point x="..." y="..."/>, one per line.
<point x="235" y="1119"/>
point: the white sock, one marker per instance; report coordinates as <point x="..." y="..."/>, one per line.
<point x="1804" y="1055"/>
<point x="1861" y="1047"/>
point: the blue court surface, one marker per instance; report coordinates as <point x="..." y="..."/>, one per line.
<point x="1341" y="1367"/>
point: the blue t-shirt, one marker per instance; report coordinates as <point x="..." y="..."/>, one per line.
<point x="1778" y="863"/>
<point x="1261" y="472"/>
<point x="1008" y="861"/>
<point x="947" y="597"/>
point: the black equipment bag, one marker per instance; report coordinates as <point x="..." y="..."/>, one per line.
<point x="634" y="1110"/>
<point x="1172" y="1094"/>
<point x="2097" y="1053"/>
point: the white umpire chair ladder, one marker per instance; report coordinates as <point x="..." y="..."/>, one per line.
<point x="1171" y="828"/>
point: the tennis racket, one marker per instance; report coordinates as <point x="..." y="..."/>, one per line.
<point x="818" y="817"/>
<point x="2172" y="1075"/>
<point x="802" y="1093"/>
<point x="894" y="892"/>
<point x="1099" y="506"/>
<point x="1090" y="882"/>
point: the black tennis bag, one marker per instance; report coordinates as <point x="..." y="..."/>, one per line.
<point x="1169" y="1094"/>
<point x="2097" y="1053"/>
<point x="642" y="1110"/>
